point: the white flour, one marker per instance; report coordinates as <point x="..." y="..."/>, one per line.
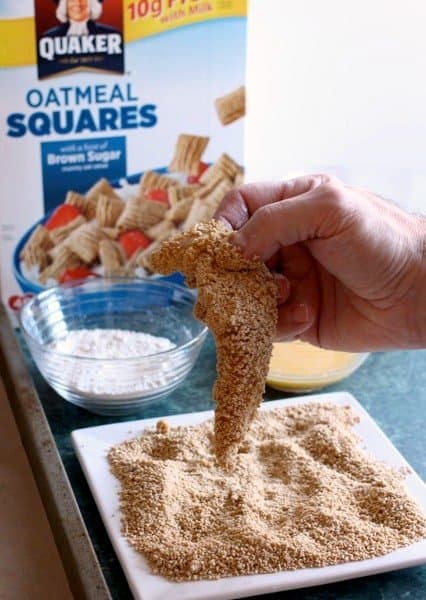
<point x="109" y="379"/>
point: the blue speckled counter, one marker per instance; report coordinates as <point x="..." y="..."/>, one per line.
<point x="392" y="388"/>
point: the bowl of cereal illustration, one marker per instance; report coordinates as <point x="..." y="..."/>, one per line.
<point x="114" y="228"/>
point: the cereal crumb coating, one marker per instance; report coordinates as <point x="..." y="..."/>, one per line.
<point x="237" y="301"/>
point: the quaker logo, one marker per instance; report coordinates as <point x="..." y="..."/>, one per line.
<point x="79" y="34"/>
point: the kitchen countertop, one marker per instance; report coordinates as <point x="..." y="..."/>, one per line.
<point x="391" y="387"/>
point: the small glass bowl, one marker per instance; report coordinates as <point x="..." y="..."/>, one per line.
<point x="310" y="368"/>
<point x="150" y="306"/>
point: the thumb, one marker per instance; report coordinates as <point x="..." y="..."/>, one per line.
<point x="312" y="215"/>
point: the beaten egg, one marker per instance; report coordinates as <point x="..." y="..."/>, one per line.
<point x="300" y="367"/>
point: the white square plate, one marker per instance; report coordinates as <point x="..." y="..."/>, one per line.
<point x="92" y="445"/>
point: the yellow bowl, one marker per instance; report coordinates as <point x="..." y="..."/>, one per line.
<point x="300" y="367"/>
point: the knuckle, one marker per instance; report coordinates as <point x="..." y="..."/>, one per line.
<point x="264" y="215"/>
<point x="335" y="196"/>
<point x="337" y="207"/>
<point x="326" y="179"/>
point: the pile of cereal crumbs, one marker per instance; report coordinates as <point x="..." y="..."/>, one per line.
<point x="303" y="493"/>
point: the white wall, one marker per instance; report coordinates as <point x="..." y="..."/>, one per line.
<point x="339" y="86"/>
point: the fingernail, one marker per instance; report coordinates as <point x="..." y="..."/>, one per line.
<point x="224" y="222"/>
<point x="283" y="285"/>
<point x="300" y="313"/>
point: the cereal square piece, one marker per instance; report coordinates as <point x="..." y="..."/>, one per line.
<point x="40" y="237"/>
<point x="144" y="257"/>
<point x="180" y="192"/>
<point x="163" y="230"/>
<point x="239" y="179"/>
<point x="108" y="210"/>
<point x="204" y="207"/>
<point x="59" y="234"/>
<point x="151" y="180"/>
<point x="152" y="213"/>
<point x="218" y="193"/>
<point x="199" y="212"/>
<point x="84" y="205"/>
<point x="188" y="152"/>
<point x="178" y="212"/>
<point x="111" y="257"/>
<point x="55" y="251"/>
<point x="131" y="217"/>
<point x="206" y="190"/>
<point x="36" y="248"/>
<point x="84" y="242"/>
<point x="87" y="204"/>
<point x="111" y="232"/>
<point x="232" y="106"/>
<point x="101" y="187"/>
<point x="225" y="166"/>
<point x="64" y="259"/>
<point x="140" y="213"/>
<point x="35" y="256"/>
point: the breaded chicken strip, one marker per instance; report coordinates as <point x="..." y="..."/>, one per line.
<point x="238" y="301"/>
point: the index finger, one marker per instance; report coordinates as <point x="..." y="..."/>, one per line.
<point x="240" y="204"/>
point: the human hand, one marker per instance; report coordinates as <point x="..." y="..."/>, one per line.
<point x="353" y="265"/>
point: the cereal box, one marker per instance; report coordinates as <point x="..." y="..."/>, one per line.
<point x="122" y="124"/>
